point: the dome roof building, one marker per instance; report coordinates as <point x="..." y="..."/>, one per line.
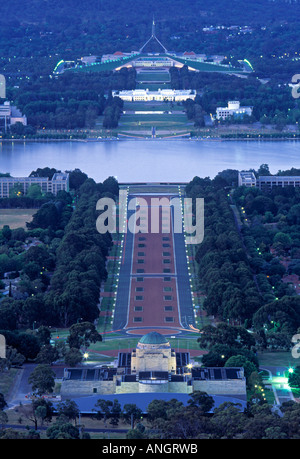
<point x="153" y="340"/>
<point x="154" y="368"/>
<point x="153" y="353"/>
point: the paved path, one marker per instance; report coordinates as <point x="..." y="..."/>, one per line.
<point x="278" y="382"/>
<point x="154" y="285"/>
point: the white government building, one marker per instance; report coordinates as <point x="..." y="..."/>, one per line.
<point x="11" y="115"/>
<point x="2" y="87"/>
<point x="160" y="95"/>
<point x="233" y="109"/>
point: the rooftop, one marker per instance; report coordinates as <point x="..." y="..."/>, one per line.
<point x="280" y="178"/>
<point x="153" y="338"/>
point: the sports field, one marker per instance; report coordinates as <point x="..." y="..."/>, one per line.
<point x="16" y="218"/>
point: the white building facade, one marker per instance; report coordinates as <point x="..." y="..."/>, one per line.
<point x="144" y="95"/>
<point x="11" y="115"/>
<point x="233" y="109"/>
<point x="2" y="87"/>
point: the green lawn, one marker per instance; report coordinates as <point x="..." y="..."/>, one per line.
<point x="153" y="189"/>
<point x="103" y="67"/>
<point x="16" y="218"/>
<point x="277" y="359"/>
<point x="207" y="66"/>
<point x="164" y="122"/>
<point x="114" y="341"/>
<point x="153" y="119"/>
<point x="128" y="342"/>
<point x="153" y="76"/>
<point x="106" y="303"/>
<point x="153" y="86"/>
<point x="151" y="106"/>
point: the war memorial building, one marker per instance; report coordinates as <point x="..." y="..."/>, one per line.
<point x="153" y="367"/>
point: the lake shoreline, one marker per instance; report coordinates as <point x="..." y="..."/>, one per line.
<point x="168" y="139"/>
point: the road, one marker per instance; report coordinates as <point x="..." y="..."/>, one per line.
<point x="278" y="382"/>
<point x="21" y="387"/>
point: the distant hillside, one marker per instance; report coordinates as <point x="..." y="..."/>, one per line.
<point x="56" y="14"/>
<point x="33" y="30"/>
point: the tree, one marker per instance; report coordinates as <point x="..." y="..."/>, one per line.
<point x="6" y="232"/>
<point x="43" y="335"/>
<point x="111" y="185"/>
<point x="18" y="128"/>
<point x="12" y="359"/>
<point x="10" y="434"/>
<point x="16" y="191"/>
<point x="220" y="353"/>
<point x="46" y="217"/>
<point x="225" y="334"/>
<point x="39" y="410"/>
<point x="283" y="240"/>
<point x="108" y="410"/>
<point x="241" y="361"/>
<point x="77" y="178"/>
<point x="34" y="192"/>
<point x="48" y="354"/>
<point x="3" y="419"/>
<point x="284" y="312"/>
<point x="201" y="400"/>
<point x="131" y="413"/>
<point x="294" y="378"/>
<point x="156" y="409"/>
<point x="82" y="335"/>
<point x="62" y="429"/>
<point x="3" y="403"/>
<point x="228" y="421"/>
<point x="27" y="345"/>
<point x="137" y="433"/>
<point x="45" y="172"/>
<point x="72" y="357"/>
<point x="69" y="409"/>
<point x="263" y="170"/>
<point x="230" y="176"/>
<point x="42" y="379"/>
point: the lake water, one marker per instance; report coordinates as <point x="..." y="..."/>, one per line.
<point x="148" y="160"/>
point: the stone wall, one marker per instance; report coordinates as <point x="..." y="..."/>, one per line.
<point x="180" y="387"/>
<point x="228" y="387"/>
<point x="127" y="388"/>
<point x="154" y="387"/>
<point x="75" y="387"/>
